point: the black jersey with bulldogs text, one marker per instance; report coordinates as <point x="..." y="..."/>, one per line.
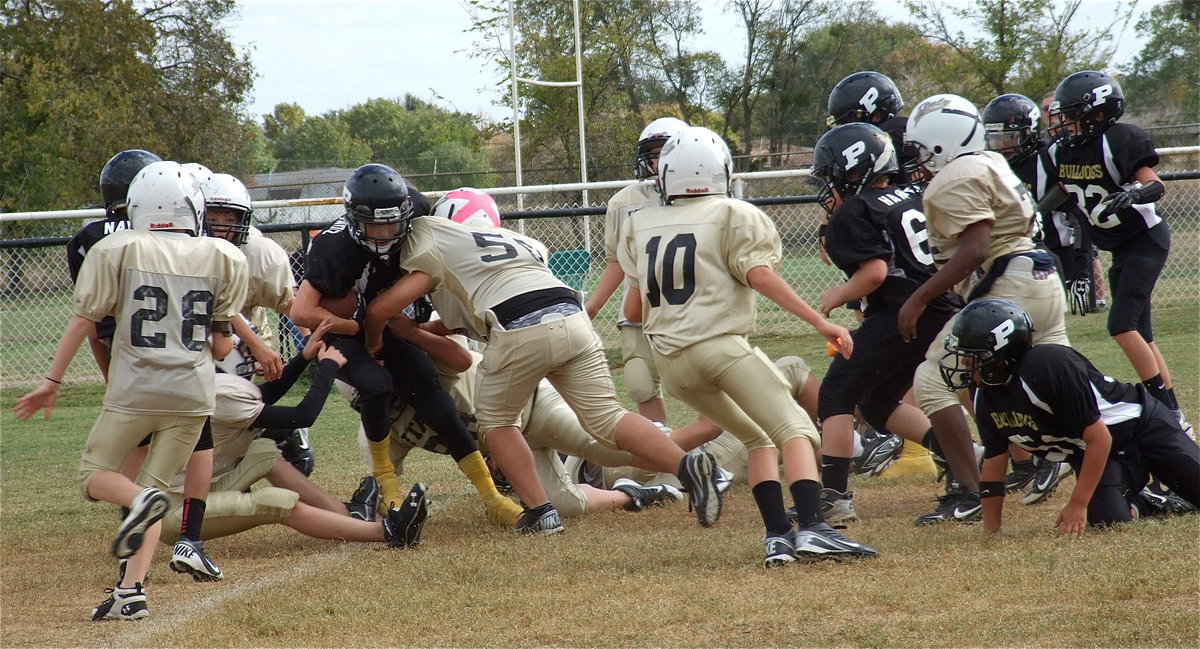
<point x="1100" y="166"/>
<point x="1038" y="173"/>
<point x="77" y="249"/>
<point x="888" y="224"/>
<point x="1054" y="395"/>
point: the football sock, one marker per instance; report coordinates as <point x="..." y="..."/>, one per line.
<point x="930" y="442"/>
<point x="807" y="494"/>
<point x="768" y="495"/>
<point x="835" y="472"/>
<point x="1157" y="389"/>
<point x="500" y="509"/>
<point x="385" y="472"/>
<point x="193" y="518"/>
<point x="913" y="460"/>
<point x="1172" y="402"/>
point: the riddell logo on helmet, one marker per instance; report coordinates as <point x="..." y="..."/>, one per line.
<point x="696" y="190"/>
<point x="161" y="226"/>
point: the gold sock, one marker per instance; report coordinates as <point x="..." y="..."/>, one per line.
<point x="385" y="472"/>
<point x="500" y="510"/>
<point x="914" y="460"/>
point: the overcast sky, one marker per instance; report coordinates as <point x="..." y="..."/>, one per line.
<point x="326" y="55"/>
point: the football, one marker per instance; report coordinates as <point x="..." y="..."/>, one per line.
<point x="342" y="307"/>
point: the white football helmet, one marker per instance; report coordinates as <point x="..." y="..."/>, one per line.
<point x="653" y="137"/>
<point x="240" y="361"/>
<point x="468" y="206"/>
<point x="942" y="128"/>
<point x="694" y="162"/>
<point x="163" y="196"/>
<point x="224" y="191"/>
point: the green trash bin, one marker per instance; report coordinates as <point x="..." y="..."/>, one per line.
<point x="572" y="267"/>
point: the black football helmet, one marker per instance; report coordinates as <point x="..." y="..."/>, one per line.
<point x="850" y="158"/>
<point x="376" y="194"/>
<point x="1010" y="125"/>
<point x="990" y="337"/>
<point x="1079" y="98"/>
<point x="863" y="97"/>
<point x="116" y="175"/>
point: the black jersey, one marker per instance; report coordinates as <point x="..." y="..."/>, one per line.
<point x="77" y="249"/>
<point x="1055" y="394"/>
<point x="1037" y="171"/>
<point x="906" y="156"/>
<point x="337" y="263"/>
<point x="1103" y="165"/>
<point x="888" y="224"/>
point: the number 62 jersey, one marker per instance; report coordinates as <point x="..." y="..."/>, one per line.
<point x="689" y="261"/>
<point x="165" y="290"/>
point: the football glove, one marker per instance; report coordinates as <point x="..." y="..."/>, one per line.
<point x="1140" y="194"/>
<point x="1079" y="296"/>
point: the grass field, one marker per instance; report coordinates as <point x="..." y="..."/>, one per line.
<point x="614" y="579"/>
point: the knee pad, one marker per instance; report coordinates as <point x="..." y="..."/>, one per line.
<point x="641" y="380"/>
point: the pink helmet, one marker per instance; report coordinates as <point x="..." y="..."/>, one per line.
<point x="468" y="206"/>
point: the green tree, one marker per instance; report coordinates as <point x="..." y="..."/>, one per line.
<point x="321" y="142"/>
<point x="1163" y="82"/>
<point x="1024" y="46"/>
<point x="83" y="79"/>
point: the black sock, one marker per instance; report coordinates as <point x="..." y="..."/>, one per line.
<point x="930" y="442"/>
<point x="807" y="494"/>
<point x="835" y="472"/>
<point x="1154" y="385"/>
<point x="1172" y="402"/>
<point x="193" y="518"/>
<point x="768" y="495"/>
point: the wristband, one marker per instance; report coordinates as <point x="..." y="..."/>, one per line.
<point x="991" y="489"/>
<point x="222" y="326"/>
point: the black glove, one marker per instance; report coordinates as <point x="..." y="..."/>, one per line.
<point x="420" y="310"/>
<point x="1139" y="195"/>
<point x="1079" y="296"/>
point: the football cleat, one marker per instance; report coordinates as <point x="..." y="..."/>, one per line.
<point x="698" y="477"/>
<point x="957" y="505"/>
<point x="837" y="507"/>
<point x="147" y="508"/>
<point x="642" y="497"/>
<point x="724" y="480"/>
<point x="1022" y="474"/>
<point x="403" y="523"/>
<point x="1049" y="474"/>
<point x="780" y="550"/>
<point x="1155" y="499"/>
<point x="821" y="541"/>
<point x="1183" y="423"/>
<point x="542" y="520"/>
<point x="297" y="451"/>
<point x="879" y="451"/>
<point x="188" y="557"/>
<point x="122" y="604"/>
<point x="365" y="499"/>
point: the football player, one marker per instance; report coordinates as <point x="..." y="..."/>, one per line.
<point x="871" y="97"/>
<point x="641" y="377"/>
<point x="980" y="220"/>
<point x="1011" y="125"/>
<point x="1050" y="400"/>
<point x="115" y="177"/>
<point x="1107" y="168"/>
<point x="695" y="266"/>
<point x="173" y="294"/>
<point x="877" y="237"/>
<point x="359" y="255"/>
<point x="535" y="328"/>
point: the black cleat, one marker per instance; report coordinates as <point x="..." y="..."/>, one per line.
<point x="403" y="524"/>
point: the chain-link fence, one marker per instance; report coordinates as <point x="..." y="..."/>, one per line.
<point x="36" y="295"/>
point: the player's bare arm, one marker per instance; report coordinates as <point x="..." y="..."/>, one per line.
<point x="440" y="349"/>
<point x="993" y="471"/>
<point x="1072" y="520"/>
<point x="46" y="395"/>
<point x="971" y="254"/>
<point x="391" y="303"/>
<point x="307" y="311"/>
<point x="866" y="280"/>
<point x="767" y="282"/>
<point x="610" y="279"/>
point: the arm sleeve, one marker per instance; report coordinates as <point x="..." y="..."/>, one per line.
<point x="273" y="391"/>
<point x="303" y="414"/>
